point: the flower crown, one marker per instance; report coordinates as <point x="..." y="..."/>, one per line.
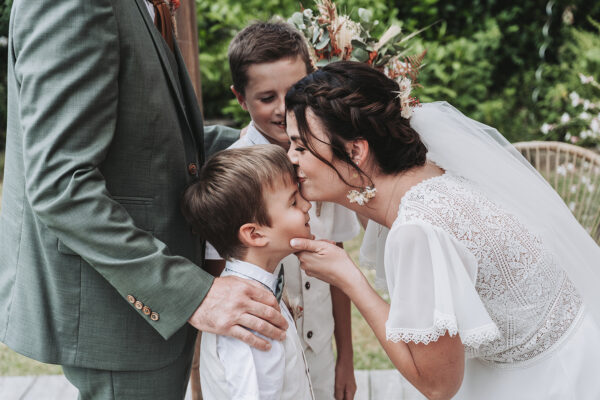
<point x="333" y="37"/>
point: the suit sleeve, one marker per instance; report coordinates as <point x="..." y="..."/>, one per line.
<point x="67" y="70"/>
<point x="218" y="137"/>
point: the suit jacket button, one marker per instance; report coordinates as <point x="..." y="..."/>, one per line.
<point x="193" y="169"/>
<point x="146" y="310"/>
<point x="307" y="285"/>
<point x="309" y="334"/>
<point x="154" y="316"/>
<point x="130" y="298"/>
<point x="139" y="305"/>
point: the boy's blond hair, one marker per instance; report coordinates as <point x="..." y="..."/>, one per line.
<point x="262" y="42"/>
<point x="230" y="192"/>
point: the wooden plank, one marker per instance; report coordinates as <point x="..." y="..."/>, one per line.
<point x="14" y="387"/>
<point x="371" y="385"/>
<point x="385" y="385"/>
<point x="51" y="387"/>
<point x="362" y="385"/>
<point x="390" y="385"/>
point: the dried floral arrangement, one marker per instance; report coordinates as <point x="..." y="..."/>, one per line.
<point x="334" y="37"/>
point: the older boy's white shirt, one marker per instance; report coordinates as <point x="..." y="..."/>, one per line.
<point x="254" y="374"/>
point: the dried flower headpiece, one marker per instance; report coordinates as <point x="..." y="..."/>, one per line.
<point x="333" y="37"/>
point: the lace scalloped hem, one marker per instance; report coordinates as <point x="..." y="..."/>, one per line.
<point x="474" y="338"/>
<point x="471" y="339"/>
<point x="442" y="324"/>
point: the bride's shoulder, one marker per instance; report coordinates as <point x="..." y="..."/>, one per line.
<point x="435" y="195"/>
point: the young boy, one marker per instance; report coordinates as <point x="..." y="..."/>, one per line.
<point x="246" y="201"/>
<point x="266" y="59"/>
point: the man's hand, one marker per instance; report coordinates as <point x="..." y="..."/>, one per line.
<point x="233" y="304"/>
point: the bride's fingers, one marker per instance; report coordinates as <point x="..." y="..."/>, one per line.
<point x="309" y="245"/>
<point x="249" y="338"/>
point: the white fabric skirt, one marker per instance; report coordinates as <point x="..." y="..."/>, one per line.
<point x="570" y="371"/>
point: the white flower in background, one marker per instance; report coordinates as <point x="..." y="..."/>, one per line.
<point x="561" y="170"/>
<point x="570" y="167"/>
<point x="568" y="136"/>
<point x="584" y="115"/>
<point x="595" y="125"/>
<point x="573" y="188"/>
<point x="591" y="188"/>
<point x="565" y="118"/>
<point x="586" y="79"/>
<point x="575" y="99"/>
<point x="3" y="41"/>
<point x="586" y="104"/>
<point x="546" y="128"/>
<point x="572" y="206"/>
<point x="585" y="180"/>
<point x="585" y="134"/>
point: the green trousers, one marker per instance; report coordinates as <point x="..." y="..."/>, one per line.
<point x="167" y="383"/>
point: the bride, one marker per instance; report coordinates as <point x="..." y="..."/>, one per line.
<point x="492" y="282"/>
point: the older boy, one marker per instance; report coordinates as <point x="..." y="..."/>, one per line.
<point x="247" y="202"/>
<point x="266" y="59"/>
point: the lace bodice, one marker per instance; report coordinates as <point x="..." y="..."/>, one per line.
<point x="528" y="297"/>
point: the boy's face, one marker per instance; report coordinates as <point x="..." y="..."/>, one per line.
<point x="264" y="96"/>
<point x="288" y="211"/>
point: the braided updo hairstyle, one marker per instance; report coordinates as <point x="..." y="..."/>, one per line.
<point x="354" y="101"/>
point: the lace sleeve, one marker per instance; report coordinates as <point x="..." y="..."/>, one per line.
<point x="431" y="284"/>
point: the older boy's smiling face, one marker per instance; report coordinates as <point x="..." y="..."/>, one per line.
<point x="264" y="96"/>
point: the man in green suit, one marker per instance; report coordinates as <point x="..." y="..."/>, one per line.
<point x="98" y="269"/>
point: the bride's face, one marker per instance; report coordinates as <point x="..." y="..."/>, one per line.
<point x="318" y="181"/>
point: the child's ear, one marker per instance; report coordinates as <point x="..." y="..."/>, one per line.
<point x="252" y="236"/>
<point x="240" y="98"/>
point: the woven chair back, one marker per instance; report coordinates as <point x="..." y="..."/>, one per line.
<point x="574" y="172"/>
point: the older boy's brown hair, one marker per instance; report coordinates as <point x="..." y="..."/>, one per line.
<point x="263" y="42"/>
<point x="230" y="192"/>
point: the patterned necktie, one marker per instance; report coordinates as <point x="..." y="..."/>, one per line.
<point x="163" y="21"/>
<point x="279" y="287"/>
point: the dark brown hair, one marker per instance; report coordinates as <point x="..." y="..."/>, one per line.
<point x="263" y="42"/>
<point x="355" y="101"/>
<point x="229" y="192"/>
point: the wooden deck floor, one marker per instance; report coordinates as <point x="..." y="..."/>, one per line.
<point x="372" y="385"/>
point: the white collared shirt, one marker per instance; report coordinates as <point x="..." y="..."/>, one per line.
<point x="231" y="369"/>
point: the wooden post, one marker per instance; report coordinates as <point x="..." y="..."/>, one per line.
<point x="187" y="38"/>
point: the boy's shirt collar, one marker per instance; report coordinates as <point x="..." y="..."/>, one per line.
<point x="247" y="270"/>
<point x="254" y="136"/>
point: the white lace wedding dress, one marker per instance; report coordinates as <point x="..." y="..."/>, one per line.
<point x="456" y="262"/>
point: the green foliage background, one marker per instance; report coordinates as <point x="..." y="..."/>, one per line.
<point x="482" y="54"/>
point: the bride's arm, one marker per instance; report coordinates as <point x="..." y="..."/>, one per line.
<point x="435" y="369"/>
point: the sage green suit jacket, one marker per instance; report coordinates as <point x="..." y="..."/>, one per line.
<point x="97" y="265"/>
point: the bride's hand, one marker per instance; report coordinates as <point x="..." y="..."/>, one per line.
<point x="324" y="260"/>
